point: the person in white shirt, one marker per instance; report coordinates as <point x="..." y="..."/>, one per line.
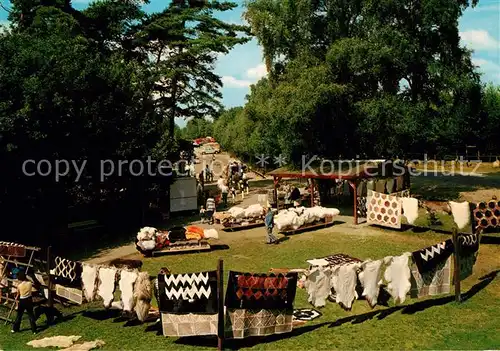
<point x="225" y="191"/>
<point x="221" y="182"/>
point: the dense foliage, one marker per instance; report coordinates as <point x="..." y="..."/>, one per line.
<point x="98" y="84"/>
<point x="361" y="77"/>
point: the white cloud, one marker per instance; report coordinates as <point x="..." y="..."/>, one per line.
<point x="479" y="40"/>
<point x="232" y="82"/>
<point x="257" y="72"/>
<point x="488" y="68"/>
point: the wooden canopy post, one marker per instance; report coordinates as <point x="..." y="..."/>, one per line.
<point x="312" y="191"/>
<point x="352" y="184"/>
<point x="276" y="180"/>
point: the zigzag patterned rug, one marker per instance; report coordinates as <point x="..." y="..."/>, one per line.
<point x="429" y="258"/>
<point x="188" y="293"/>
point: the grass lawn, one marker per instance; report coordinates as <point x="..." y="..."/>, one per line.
<point x="425" y="324"/>
<point x="433" y="323"/>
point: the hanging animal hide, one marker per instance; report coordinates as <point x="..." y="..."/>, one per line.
<point x="410" y="209"/>
<point x="89" y="281"/>
<point x="371" y="280"/>
<point x="344" y="281"/>
<point x="143" y="296"/>
<point x="397" y="275"/>
<point x="126" y="284"/>
<point x="107" y="277"/>
<point x="461" y="213"/>
<point x="318" y="285"/>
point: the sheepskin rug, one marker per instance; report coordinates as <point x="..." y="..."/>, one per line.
<point x="410" y="209"/>
<point x="55" y="341"/>
<point x="397" y="275"/>
<point x="107" y="285"/>
<point x="89" y="281"/>
<point x="143" y="295"/>
<point x="461" y="213"/>
<point x="126" y="284"/>
<point x="86" y="346"/>
<point x="371" y="280"/>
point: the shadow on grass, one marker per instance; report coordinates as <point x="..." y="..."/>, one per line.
<point x="418" y="306"/>
<point x="236" y="344"/>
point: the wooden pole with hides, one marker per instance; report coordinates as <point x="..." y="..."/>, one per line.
<point x="220" y="299"/>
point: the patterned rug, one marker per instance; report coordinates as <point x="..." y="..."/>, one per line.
<point x="429" y="258"/>
<point x="12" y="249"/>
<point x="242" y="323"/>
<point x="433" y="282"/>
<point x="261" y="291"/>
<point x="486" y="215"/>
<point x="306" y="314"/>
<point x="384" y="210"/>
<point x="187" y="293"/>
<point x="179" y="325"/>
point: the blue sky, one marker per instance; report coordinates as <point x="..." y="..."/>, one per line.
<point x="479" y="29"/>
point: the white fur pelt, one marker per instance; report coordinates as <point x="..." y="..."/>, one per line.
<point x="344" y="281"/>
<point x="410" y="209"/>
<point x="371" y="280"/>
<point x="461" y="213"/>
<point x="107" y="277"/>
<point x="397" y="275"/>
<point x="143" y="296"/>
<point x="86" y="346"/>
<point x="89" y="281"/>
<point x="210" y="234"/>
<point x="54" y="341"/>
<point x="126" y="284"/>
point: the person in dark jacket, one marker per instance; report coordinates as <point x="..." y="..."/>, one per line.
<point x="269" y="220"/>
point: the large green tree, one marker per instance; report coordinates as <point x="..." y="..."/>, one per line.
<point x="360" y="77"/>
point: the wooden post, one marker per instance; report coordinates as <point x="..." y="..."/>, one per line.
<point x="312" y="192"/>
<point x="355" y="206"/>
<point x="220" y="299"/>
<point x="456" y="265"/>
<point x="50" y="301"/>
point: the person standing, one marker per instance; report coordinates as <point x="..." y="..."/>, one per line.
<point x="210" y="210"/>
<point x="25" y="303"/>
<point x="269" y="220"/>
<point x="225" y="191"/>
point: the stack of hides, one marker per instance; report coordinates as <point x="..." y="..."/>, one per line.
<point x="146" y="238"/>
<point x="149" y="239"/>
<point x="295" y="218"/>
<point x="243" y="216"/>
<point x="188" y="303"/>
<point x="259" y="304"/>
<point x="422" y="273"/>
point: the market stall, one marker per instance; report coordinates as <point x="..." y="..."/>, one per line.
<point x="360" y="176"/>
<point x="151" y="241"/>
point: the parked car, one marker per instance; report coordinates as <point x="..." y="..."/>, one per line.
<point x="208" y="150"/>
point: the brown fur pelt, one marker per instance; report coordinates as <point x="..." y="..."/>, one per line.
<point x="124" y="263"/>
<point x="143" y="295"/>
